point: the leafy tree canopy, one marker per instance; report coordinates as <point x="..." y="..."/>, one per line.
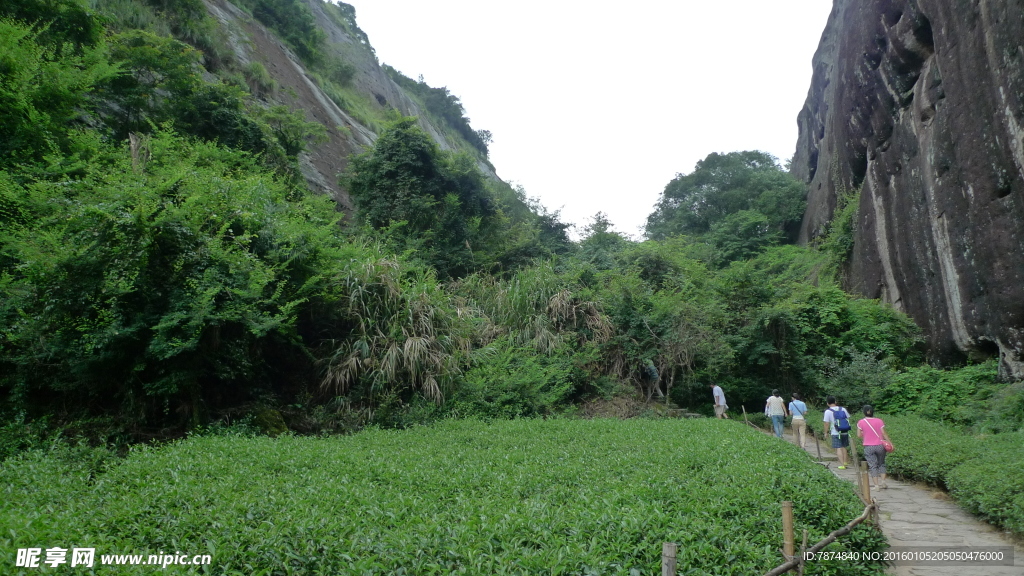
<point x="428" y="201"/>
<point x="57" y="22"/>
<point x="723" y="185"/>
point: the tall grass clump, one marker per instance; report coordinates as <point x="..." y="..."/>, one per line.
<point x="352" y="102"/>
<point x="405" y="329"/>
<point x="258" y="79"/>
<point x="535" y="307"/>
<point x="123" y="15"/>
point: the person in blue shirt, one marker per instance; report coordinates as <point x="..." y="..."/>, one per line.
<point x="798" y="409"/>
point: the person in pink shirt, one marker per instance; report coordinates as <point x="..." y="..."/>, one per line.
<point x="872" y="432"/>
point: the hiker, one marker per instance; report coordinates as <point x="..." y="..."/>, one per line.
<point x="720" y="405"/>
<point x="872" y="432"/>
<point x="649" y="375"/>
<point x="838" y="420"/>
<point x="775" y="408"/>
<point x="798" y="409"/>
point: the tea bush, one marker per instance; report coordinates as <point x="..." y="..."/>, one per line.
<point x="926" y="450"/>
<point x="983" y="473"/>
<point x="460" y="497"/>
<point x="992" y="483"/>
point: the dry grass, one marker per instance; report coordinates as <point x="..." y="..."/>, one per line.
<point x="407" y="331"/>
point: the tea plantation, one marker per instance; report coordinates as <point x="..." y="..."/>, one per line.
<point x="460" y="497"/>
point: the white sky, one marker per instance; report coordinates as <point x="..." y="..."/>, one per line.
<point x="596" y="106"/>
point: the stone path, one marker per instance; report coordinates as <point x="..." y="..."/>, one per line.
<point x="916" y="515"/>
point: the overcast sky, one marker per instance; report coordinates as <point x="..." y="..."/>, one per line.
<point x="596" y="106"/>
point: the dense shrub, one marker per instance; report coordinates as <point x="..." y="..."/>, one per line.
<point x="510" y="381"/>
<point x="164" y="274"/>
<point x="293" y="21"/>
<point x="58" y="24"/>
<point x="837" y="242"/>
<point x="425" y="199"/>
<point x="1003" y="410"/>
<point x="43" y="94"/>
<point x="161" y="84"/>
<point x="961" y="397"/>
<point x="18" y="435"/>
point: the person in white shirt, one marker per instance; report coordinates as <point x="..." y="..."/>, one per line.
<point x="775" y="408"/>
<point x="720" y="405"/>
<point x="840" y="438"/>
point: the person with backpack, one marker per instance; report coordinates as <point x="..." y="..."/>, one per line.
<point x="876" y="444"/>
<point x="837" y="419"/>
<point x="775" y="408"/>
<point x="798" y="409"/>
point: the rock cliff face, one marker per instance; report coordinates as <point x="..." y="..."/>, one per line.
<point x="296" y="88"/>
<point x="918" y="105"/>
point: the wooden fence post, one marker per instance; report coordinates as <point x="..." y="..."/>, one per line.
<point x="852" y="450"/>
<point x="787" y="530"/>
<point x="865" y="481"/>
<point x="860" y="482"/>
<point x="803" y="554"/>
<point x="668" y="558"/>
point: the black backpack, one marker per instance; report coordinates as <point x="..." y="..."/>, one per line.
<point x="842" y="420"/>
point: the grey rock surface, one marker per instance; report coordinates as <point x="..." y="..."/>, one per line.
<point x="918" y="105"/>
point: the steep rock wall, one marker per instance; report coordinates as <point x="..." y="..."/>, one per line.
<point x="322" y="163"/>
<point x="919" y="106"/>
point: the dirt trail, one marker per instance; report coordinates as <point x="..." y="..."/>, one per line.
<point x="915" y="515"/>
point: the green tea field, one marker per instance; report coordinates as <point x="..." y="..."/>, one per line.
<point x="461" y="497"/>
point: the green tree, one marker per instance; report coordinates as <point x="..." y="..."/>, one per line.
<point x="173" y="274"/>
<point x="431" y="202"/>
<point x="58" y="23"/>
<point x="742" y="234"/>
<point x="724" y="184"/>
<point x="43" y="93"/>
<point x="600" y="243"/>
